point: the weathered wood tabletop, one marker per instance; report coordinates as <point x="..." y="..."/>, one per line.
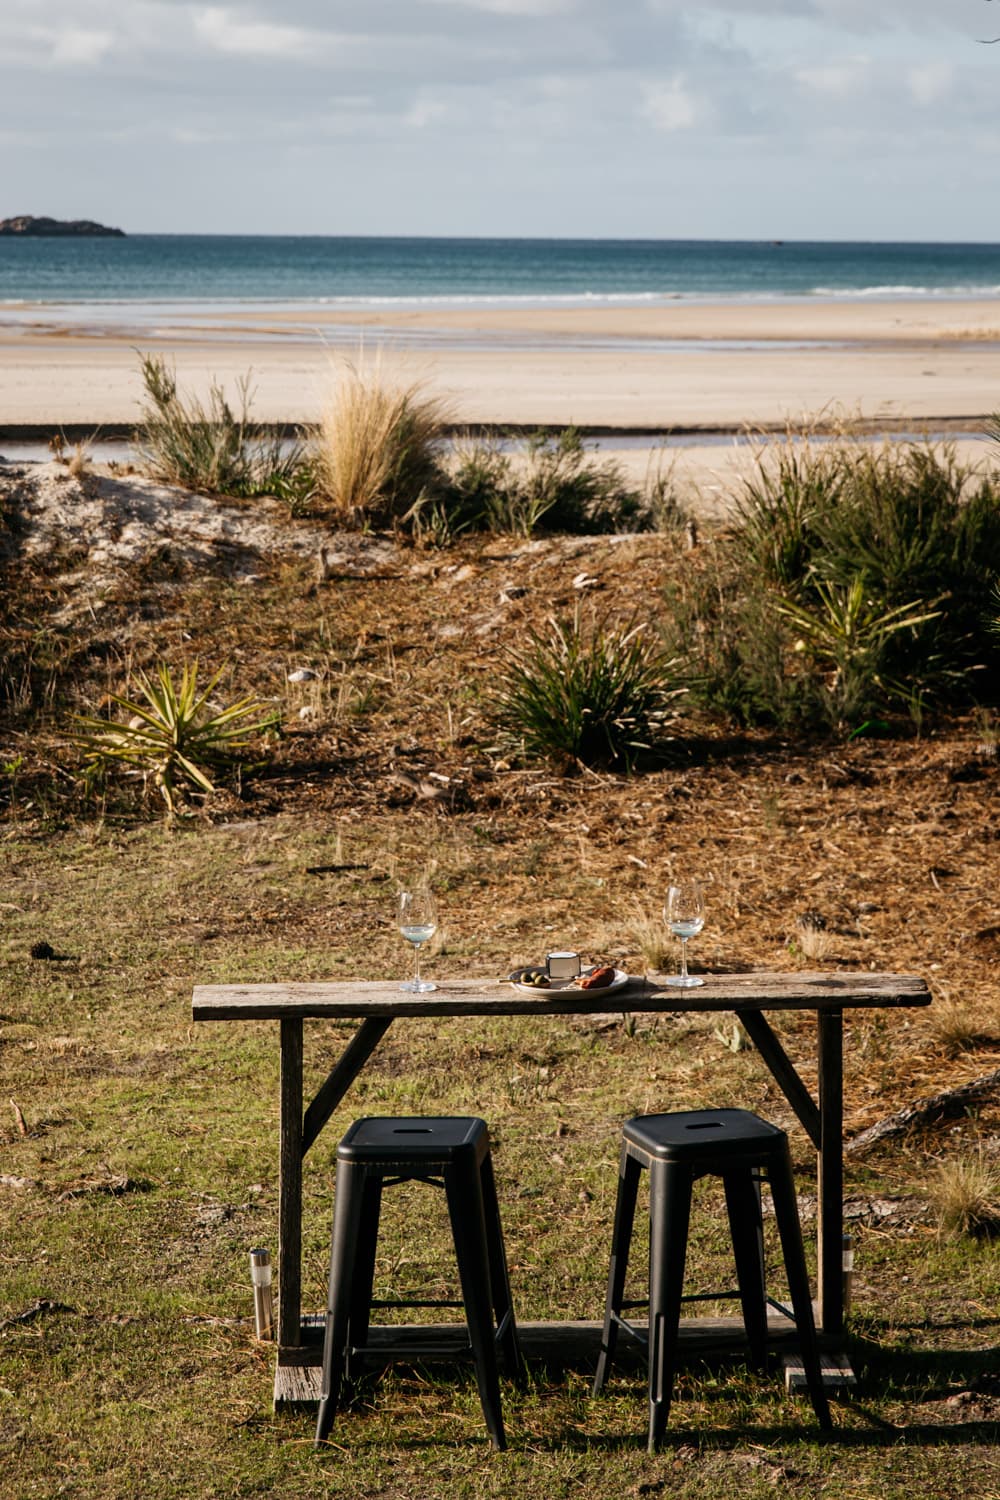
<point x="755" y="990"/>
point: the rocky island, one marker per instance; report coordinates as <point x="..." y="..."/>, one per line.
<point x="27" y="224"/>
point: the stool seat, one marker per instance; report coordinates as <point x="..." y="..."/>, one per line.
<point x="677" y="1149"/>
<point x="447" y="1151"/>
<point x="426" y="1142"/>
<point x="701" y="1136"/>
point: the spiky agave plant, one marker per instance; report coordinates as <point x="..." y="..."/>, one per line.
<point x="172" y="732"/>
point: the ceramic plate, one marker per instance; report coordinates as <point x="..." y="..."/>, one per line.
<point x="620" y="979"/>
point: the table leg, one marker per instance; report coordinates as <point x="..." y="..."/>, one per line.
<point x="290" y="1187"/>
<point x="830" y="1198"/>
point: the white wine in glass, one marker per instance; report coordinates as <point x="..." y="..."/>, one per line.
<point x="684" y="914"/>
<point x="416" y="918"/>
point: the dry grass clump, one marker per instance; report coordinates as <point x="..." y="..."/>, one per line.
<point x="958" y="1027"/>
<point x="812" y="941"/>
<point x="649" y="934"/>
<point x="77" y="460"/>
<point x="965" y="1194"/>
<point x="377" y="449"/>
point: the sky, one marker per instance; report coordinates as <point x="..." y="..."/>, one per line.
<point x="733" y="119"/>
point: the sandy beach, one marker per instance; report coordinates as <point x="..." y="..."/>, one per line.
<point x="655" y="368"/>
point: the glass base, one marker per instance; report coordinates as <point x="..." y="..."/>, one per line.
<point x="683" y="982"/>
<point x="422" y="986"/>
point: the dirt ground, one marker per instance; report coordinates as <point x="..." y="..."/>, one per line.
<point x="875" y="853"/>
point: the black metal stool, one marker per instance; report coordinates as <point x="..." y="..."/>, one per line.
<point x="679" y="1148"/>
<point x="450" y="1152"/>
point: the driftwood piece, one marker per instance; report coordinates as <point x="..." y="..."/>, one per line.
<point x="927" y="1111"/>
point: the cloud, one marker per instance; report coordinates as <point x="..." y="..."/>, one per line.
<point x="931" y="83"/>
<point x="513" y="7"/>
<point x="548" y="97"/>
<point x="221" y="28"/>
<point x="837" y="80"/>
<point x="425" y="110"/>
<point x="77" y="47"/>
<point x="670" y="106"/>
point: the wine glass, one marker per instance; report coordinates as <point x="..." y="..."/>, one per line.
<point x="416" y="918"/>
<point x="684" y="914"/>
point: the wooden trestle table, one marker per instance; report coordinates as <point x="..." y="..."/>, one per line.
<point x="376" y="1005"/>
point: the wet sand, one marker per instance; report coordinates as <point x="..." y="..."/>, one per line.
<point x="651" y="367"/>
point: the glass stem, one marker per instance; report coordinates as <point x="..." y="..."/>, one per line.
<point x="416" y="965"/>
<point x="684" y="958"/>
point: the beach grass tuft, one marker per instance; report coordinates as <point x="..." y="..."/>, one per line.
<point x="378" y="448"/>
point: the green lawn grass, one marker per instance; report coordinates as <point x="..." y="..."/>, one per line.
<point x="128" y="1365"/>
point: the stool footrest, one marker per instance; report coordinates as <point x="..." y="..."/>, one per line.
<point x="412" y="1351"/>
<point x="413" y="1302"/>
<point x="705" y="1297"/>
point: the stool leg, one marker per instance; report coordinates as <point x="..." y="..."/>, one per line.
<point x="669" y="1216"/>
<point x="786" y="1212"/>
<point x="464" y="1192"/>
<point x="348" y="1198"/>
<point x="363" y="1278"/>
<point x="621" y="1239"/>
<point x="746" y="1230"/>
<point x="499" y="1276"/>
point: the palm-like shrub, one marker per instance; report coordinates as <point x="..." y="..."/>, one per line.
<point x="378" y="447"/>
<point x="214" y="448"/>
<point x="856" y="581"/>
<point x="577" y="697"/>
<point x="848" y="637"/>
<point x="915" y="524"/>
<point x="173" y="734"/>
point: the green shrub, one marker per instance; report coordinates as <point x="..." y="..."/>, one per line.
<point x="211" y="448"/>
<point x="792" y="487"/>
<point x="855" y="584"/>
<point x="915" y="525"/>
<point x="554" y="485"/>
<point x="564" y="487"/>
<point x="173" y="734"/>
<point x="737" y="651"/>
<point x="576" y="697"/>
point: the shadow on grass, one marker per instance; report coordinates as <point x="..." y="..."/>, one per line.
<point x="877" y="1435"/>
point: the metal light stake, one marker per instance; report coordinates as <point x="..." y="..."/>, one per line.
<point x="847" y="1265"/>
<point x="263" y="1305"/>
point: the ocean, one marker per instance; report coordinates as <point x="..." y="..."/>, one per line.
<point x="155" y="270"/>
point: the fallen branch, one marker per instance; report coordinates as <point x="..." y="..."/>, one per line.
<point x="111" y="1187"/>
<point x="332" y="869"/>
<point x="927" y="1111"/>
<point x="43" y="1305"/>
